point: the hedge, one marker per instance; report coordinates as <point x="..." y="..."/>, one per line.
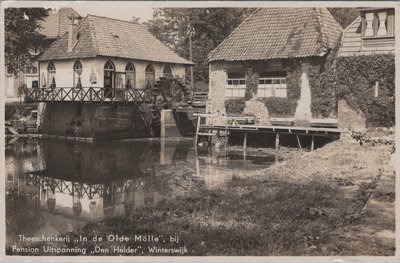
<point x="280" y="107"/>
<point x="235" y="106"/>
<point x="356" y="77"/>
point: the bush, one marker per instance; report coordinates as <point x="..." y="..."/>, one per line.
<point x="356" y="77"/>
<point x="235" y="106"/>
<point x="280" y="107"/>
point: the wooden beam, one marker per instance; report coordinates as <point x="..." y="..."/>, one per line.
<point x="312" y="143"/>
<point x="298" y="141"/>
<point x="197" y="132"/>
<point x="277" y="141"/>
<point x="245" y="142"/>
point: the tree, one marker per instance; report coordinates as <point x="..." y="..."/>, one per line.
<point x="344" y="16"/>
<point x="21" y="26"/>
<point x="210" y="26"/>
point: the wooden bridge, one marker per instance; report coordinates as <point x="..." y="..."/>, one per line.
<point x="222" y="126"/>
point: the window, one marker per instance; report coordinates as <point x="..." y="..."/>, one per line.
<point x="378" y="23"/>
<point x="150" y="76"/>
<point x="31" y="70"/>
<point x="272" y="84"/>
<point x="236" y="84"/>
<point x="51" y="75"/>
<point x="167" y="71"/>
<point x="77" y="74"/>
<point x="129" y="76"/>
<point x="109" y="79"/>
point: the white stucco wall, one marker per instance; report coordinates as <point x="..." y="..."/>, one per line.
<point x="64" y="70"/>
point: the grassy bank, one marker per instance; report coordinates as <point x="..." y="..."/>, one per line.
<point x="315" y="204"/>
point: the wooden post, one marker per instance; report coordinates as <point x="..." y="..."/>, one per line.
<point x="197" y="132"/>
<point x="312" y="143"/>
<point x="245" y="141"/>
<point x="298" y="141"/>
<point x="277" y="141"/>
<point x="244" y="145"/>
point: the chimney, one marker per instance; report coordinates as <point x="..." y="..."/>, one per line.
<point x="70" y="34"/>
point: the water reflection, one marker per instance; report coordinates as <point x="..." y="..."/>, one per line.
<point x="60" y="185"/>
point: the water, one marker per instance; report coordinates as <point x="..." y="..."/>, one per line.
<point x="56" y="186"/>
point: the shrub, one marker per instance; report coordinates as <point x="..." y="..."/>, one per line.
<point x="280" y="107"/>
<point x="235" y="106"/>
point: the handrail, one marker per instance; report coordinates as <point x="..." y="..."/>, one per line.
<point x="91" y="94"/>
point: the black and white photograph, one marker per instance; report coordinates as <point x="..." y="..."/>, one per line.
<point x="166" y="129"/>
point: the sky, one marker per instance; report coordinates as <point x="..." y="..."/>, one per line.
<point x="125" y="10"/>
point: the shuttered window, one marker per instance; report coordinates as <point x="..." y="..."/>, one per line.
<point x="378" y="23"/>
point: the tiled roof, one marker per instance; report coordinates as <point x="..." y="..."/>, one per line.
<point x="101" y="36"/>
<point x="280" y="33"/>
<point x="57" y="22"/>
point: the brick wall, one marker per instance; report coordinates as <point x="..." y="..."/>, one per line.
<point x="99" y="121"/>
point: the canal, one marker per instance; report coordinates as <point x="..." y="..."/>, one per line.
<point x="57" y="186"/>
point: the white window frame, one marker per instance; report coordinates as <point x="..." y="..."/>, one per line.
<point x="272" y="87"/>
<point x="235" y="86"/>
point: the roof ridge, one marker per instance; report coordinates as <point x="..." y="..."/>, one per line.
<point x="233" y="31"/>
<point x="111" y="18"/>
<point x="92" y="31"/>
<point x="320" y="22"/>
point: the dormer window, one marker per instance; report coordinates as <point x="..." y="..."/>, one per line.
<point x="378" y="23"/>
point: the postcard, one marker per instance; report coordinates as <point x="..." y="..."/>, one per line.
<point x="172" y="131"/>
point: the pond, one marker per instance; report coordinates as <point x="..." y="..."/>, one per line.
<point x="56" y="186"/>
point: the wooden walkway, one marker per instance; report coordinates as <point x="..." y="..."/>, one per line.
<point x="247" y="125"/>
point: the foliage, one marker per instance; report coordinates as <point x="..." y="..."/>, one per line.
<point x="356" y="77"/>
<point x="344" y="15"/>
<point x="280" y="107"/>
<point x="252" y="79"/>
<point x="293" y="69"/>
<point x="286" y="107"/>
<point x="235" y="106"/>
<point x="21" y="35"/>
<point x="322" y="79"/>
<point x="209" y="27"/>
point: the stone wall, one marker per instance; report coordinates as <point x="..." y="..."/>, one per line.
<point x="96" y="120"/>
<point x="257" y="109"/>
<point x="349" y="118"/>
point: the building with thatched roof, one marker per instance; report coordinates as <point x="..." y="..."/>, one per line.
<point x="264" y="64"/>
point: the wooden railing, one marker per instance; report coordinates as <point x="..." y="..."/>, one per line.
<point x="91" y="94"/>
<point x="199" y="99"/>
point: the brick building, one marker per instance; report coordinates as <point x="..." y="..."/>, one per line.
<point x="253" y="63"/>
